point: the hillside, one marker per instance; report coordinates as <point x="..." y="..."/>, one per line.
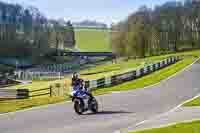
<point x="93" y="40"/>
<point x="89" y="23"/>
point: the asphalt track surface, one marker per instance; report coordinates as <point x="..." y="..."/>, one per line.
<point x="118" y="111"/>
<point x="180" y="115"/>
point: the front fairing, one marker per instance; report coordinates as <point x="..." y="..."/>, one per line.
<point x="78" y="93"/>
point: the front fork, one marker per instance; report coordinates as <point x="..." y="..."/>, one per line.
<point x="85" y="102"/>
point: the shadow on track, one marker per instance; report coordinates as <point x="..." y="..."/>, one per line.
<point x="109" y="113"/>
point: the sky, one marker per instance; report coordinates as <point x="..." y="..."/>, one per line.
<point x="107" y="11"/>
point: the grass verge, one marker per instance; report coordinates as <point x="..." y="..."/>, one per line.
<point x="122" y="66"/>
<point x="192" y="127"/>
<point x="15" y="105"/>
<point x="195" y="102"/>
<point x="93" y="40"/>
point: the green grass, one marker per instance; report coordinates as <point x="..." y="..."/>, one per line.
<point x="37" y="85"/>
<point x="15" y="105"/>
<point x="121" y="66"/>
<point x="195" y="102"/>
<point x="149" y="79"/>
<point x="192" y="127"/>
<point x="93" y="40"/>
<point x="107" y="70"/>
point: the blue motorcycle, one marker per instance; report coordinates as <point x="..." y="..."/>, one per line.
<point x="83" y="101"/>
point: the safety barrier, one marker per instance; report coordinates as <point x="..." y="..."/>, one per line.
<point x="128" y="76"/>
<point x="54" y="90"/>
<point x="14" y="94"/>
<point x="25" y="75"/>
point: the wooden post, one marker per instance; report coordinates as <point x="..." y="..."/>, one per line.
<point x="51" y="91"/>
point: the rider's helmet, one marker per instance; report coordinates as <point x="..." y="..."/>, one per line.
<point x="75" y="75"/>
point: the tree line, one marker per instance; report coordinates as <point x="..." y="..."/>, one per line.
<point x="26" y="31"/>
<point x="171" y="27"/>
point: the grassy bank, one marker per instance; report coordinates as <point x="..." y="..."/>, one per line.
<point x="37" y="85"/>
<point x="121" y="66"/>
<point x="15" y="105"/>
<point x="192" y="127"/>
<point x="195" y="102"/>
<point x="93" y="40"/>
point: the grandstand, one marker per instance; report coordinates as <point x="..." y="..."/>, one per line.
<point x="13" y="61"/>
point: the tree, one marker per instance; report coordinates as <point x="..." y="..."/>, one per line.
<point x="169" y="27"/>
<point x="118" y="40"/>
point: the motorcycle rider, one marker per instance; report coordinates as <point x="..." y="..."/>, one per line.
<point x="83" y="100"/>
<point x="78" y="84"/>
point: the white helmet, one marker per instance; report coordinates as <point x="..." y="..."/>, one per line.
<point x="75" y="75"/>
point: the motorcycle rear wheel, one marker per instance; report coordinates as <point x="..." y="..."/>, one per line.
<point x="94" y="105"/>
<point x="79" y="106"/>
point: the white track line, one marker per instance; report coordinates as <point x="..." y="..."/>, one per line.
<point x="167" y="125"/>
<point x="131" y="128"/>
<point x="170" y="111"/>
<point x="116" y="92"/>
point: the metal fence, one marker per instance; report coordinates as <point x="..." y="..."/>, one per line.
<point x="14" y="94"/>
<point x="54" y="90"/>
<point x="26" y="75"/>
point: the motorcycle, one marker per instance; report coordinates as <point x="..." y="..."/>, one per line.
<point x="83" y="102"/>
